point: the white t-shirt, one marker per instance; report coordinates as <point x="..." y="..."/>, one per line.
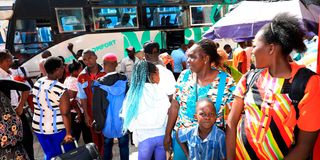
<point x="13" y="94"/>
<point x="18" y="72"/>
<point x="152" y="115"/>
<point x="126" y="67"/>
<point x="167" y="81"/>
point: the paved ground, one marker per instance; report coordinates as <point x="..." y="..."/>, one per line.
<point x="38" y="153"/>
<point x="133" y="150"/>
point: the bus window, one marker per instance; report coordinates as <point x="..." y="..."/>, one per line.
<point x="70" y="19"/>
<point x="110" y="18"/>
<point x="196" y="1"/>
<point x="29" y="38"/>
<point x="114" y="2"/>
<point x="205" y="14"/>
<point x="159" y="1"/>
<point x="165" y="16"/>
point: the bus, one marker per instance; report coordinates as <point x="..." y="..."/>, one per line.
<point x="105" y="26"/>
<point x="5" y="14"/>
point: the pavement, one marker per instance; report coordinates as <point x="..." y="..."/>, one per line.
<point x="39" y="155"/>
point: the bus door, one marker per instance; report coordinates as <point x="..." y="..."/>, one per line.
<point x="174" y="39"/>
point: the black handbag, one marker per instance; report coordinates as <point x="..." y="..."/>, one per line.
<point x="87" y="152"/>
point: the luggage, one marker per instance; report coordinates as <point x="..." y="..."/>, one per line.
<point x="86" y="152"/>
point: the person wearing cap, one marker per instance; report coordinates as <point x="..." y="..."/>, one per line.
<point x="91" y="72"/>
<point x="127" y="63"/>
<point x="109" y="92"/>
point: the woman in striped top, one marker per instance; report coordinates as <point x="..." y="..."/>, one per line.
<point x="51" y="119"/>
<point x="266" y="130"/>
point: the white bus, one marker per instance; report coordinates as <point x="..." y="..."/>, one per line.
<point x="105" y="26"/>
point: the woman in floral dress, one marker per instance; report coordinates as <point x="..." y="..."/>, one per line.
<point x="11" y="131"/>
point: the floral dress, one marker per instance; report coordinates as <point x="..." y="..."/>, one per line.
<point x="219" y="91"/>
<point x="11" y="131"/>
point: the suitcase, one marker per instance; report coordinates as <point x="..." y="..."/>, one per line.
<point x="87" y="152"/>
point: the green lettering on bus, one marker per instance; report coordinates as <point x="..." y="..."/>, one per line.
<point x="69" y="59"/>
<point x="216" y="8"/>
<point x="95" y="49"/>
<point x="230" y="1"/>
<point x="104" y="46"/>
<point x="194" y="33"/>
<point x="131" y="39"/>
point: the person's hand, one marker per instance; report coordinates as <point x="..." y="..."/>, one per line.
<point x="167" y="142"/>
<point x="67" y="138"/>
<point x="19" y="110"/>
<point x="70" y="47"/>
<point x="88" y="120"/>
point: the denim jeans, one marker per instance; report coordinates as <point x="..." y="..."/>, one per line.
<point x="123" y="147"/>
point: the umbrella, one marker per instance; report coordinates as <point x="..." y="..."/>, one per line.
<point x="249" y="16"/>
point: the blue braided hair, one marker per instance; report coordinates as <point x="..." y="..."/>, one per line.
<point x="140" y="75"/>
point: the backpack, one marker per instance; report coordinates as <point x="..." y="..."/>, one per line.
<point x="295" y="90"/>
<point x="23" y="70"/>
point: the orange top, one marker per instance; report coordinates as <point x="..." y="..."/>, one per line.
<point x="270" y="117"/>
<point x="239" y="55"/>
<point x="308" y="107"/>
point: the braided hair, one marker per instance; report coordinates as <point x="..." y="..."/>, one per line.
<point x="140" y="75"/>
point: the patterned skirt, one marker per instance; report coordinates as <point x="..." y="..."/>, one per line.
<point x="13" y="153"/>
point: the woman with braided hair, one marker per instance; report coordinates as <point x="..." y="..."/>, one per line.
<point x="145" y="111"/>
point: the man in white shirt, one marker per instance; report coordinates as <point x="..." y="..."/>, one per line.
<point x="46" y="54"/>
<point x="127" y="63"/>
<point x="167" y="80"/>
<point x="6" y="61"/>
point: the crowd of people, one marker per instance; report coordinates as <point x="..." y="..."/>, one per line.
<point x="191" y="104"/>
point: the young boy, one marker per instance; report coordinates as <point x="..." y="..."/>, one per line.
<point x="205" y="141"/>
